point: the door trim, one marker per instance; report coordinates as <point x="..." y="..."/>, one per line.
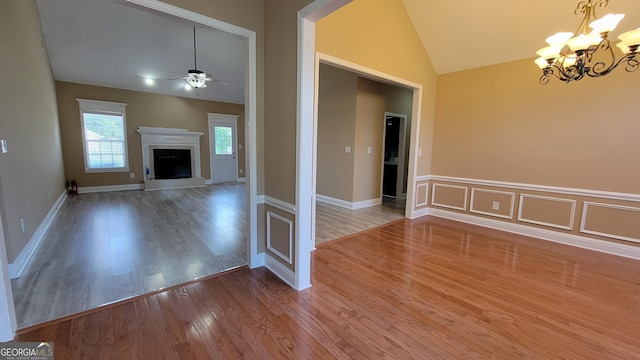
<point x="222" y="118"/>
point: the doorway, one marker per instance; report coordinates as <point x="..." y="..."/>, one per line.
<point x="396" y="151"/>
<point x="223" y="140"/>
<point x="7" y="328"/>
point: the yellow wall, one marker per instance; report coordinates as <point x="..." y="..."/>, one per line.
<point x="143" y="109"/>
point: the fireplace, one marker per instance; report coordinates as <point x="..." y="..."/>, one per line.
<point x="170" y="158"/>
<point x="172" y="163"/>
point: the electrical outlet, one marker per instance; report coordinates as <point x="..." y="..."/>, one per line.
<point x="4" y="146"/>
<point x="22" y="225"/>
<point x="241" y="171"/>
<point x="369" y="150"/>
<point x="496" y="205"/>
<point x="347" y="149"/>
<point x="240" y="146"/>
<point x="132" y="175"/>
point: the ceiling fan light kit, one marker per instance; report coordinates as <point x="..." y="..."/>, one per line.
<point x="590" y="52"/>
<point x="197" y="79"/>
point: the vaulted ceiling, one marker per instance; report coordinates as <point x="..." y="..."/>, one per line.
<point x="111" y="43"/>
<point x="114" y="44"/>
<point x="465" y="34"/>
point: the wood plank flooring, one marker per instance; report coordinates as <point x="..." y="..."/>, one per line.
<point x="104" y="247"/>
<point x="414" y="289"/>
<point x="333" y="222"/>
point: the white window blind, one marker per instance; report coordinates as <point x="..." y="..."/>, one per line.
<point x="104" y="135"/>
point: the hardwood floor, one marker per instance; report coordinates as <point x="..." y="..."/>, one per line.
<point x="422" y="289"/>
<point x="104" y="247"/>
<point x="333" y="222"/>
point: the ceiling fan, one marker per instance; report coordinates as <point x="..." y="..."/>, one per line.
<point x="198" y="79"/>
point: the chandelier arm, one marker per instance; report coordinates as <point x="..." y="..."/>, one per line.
<point x="632" y="62"/>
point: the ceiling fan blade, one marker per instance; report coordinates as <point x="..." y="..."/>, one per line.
<point x="221" y="82"/>
<point x="212" y="78"/>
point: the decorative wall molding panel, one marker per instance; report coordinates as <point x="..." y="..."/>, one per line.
<point x="604" y="214"/>
<point x="446" y="197"/>
<point x="489" y="210"/>
<point x="272" y="230"/>
<point x="543" y="188"/>
<point x="623" y="221"/>
<point x="422" y="195"/>
<point x="568" y="206"/>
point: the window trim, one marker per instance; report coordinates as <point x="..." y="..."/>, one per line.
<point x="109" y="108"/>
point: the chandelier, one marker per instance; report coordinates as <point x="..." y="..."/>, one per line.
<point x="589" y="52"/>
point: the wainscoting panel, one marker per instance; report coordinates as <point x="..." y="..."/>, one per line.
<point x="610" y="221"/>
<point x="449" y="196"/>
<point x="422" y="195"/>
<point x="614" y="221"/>
<point x="280" y="236"/>
<point x="492" y="202"/>
<point x="547" y="211"/>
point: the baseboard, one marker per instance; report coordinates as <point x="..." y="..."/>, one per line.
<point x="604" y="246"/>
<point x="347" y="204"/>
<point x="416" y="213"/>
<point x="257" y="261"/>
<point x="284" y="273"/>
<point x="108" y="188"/>
<point x="20" y="263"/>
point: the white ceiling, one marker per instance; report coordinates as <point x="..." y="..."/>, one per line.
<point x="465" y="34"/>
<point x="114" y="44"/>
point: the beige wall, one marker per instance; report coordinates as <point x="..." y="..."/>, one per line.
<point x="143" y="109"/>
<point x="281" y="28"/>
<point x="499" y="123"/>
<point x="351" y="113"/>
<point x="32" y="176"/>
<point x="378" y="34"/>
<point x="337" y="91"/>
<point x="370" y="108"/>
<point x="280" y="111"/>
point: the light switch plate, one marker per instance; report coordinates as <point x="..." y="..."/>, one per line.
<point x="4" y="146"/>
<point x="347" y="149"/>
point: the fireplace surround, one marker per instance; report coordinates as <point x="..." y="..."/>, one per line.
<point x="165" y="140"/>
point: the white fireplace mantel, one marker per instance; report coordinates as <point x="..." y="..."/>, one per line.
<point x="169" y="138"/>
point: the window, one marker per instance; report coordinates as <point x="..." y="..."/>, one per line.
<point x="103" y="135"/>
<point x="223" y="140"/>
